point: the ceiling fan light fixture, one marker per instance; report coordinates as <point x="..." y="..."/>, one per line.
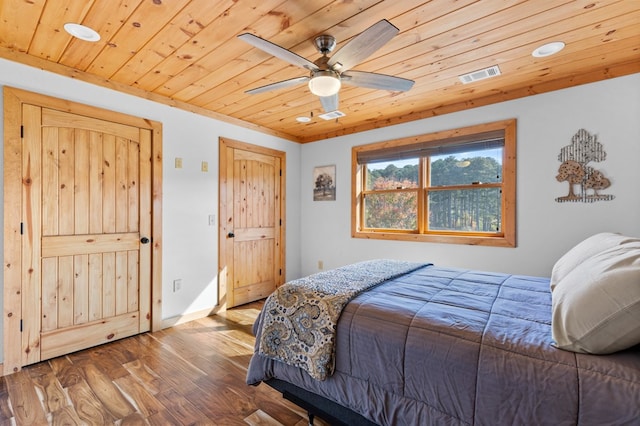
<point x="324" y="83"/>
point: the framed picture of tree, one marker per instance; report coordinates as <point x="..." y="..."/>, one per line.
<point x="324" y="183"/>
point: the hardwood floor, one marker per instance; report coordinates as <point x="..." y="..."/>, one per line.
<point x="190" y="374"/>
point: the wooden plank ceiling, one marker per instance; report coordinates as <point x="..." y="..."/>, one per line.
<point x="186" y="53"/>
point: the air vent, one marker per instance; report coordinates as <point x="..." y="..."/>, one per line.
<point x="480" y="74"/>
<point x="333" y="114"/>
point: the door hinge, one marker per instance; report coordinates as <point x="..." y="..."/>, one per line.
<point x="21" y="132"/>
<point x="280" y="222"/>
<point x="20" y="326"/>
<point x="280" y="172"/>
<point x="280" y="271"/>
<point x="21" y="228"/>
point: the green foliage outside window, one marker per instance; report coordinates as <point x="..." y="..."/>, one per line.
<point x="452" y="186"/>
<point x="391" y="204"/>
<point x="392" y="177"/>
<point x="392" y="208"/>
<point x="473" y="210"/>
<point x="452" y="171"/>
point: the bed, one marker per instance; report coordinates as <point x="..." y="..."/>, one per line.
<point x="437" y="345"/>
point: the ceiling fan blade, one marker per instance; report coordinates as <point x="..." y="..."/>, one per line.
<point x="372" y="80"/>
<point x="278" y="51"/>
<point x="278" y="85"/>
<point x="329" y="103"/>
<point x="362" y="46"/>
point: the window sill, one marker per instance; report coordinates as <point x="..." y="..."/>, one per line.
<point x="472" y="240"/>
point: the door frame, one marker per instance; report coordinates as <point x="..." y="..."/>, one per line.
<point x="12" y="309"/>
<point x="224" y="228"/>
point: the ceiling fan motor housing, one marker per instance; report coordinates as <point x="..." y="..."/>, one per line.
<point x="325" y="43"/>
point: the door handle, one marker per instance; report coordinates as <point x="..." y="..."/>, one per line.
<point x="144" y="240"/>
<point x="231" y="235"/>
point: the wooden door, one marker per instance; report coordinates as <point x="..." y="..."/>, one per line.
<point x="86" y="209"/>
<point x="251" y="217"/>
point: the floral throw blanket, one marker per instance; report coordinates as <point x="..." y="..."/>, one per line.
<point x="300" y="318"/>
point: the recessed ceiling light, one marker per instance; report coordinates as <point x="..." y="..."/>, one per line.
<point x="303" y="119"/>
<point x="81" y="32"/>
<point x="548" y="49"/>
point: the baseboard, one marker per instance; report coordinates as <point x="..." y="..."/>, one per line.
<point x="191" y="316"/>
<point x="170" y="322"/>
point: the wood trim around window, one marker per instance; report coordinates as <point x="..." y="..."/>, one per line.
<point x="506" y="239"/>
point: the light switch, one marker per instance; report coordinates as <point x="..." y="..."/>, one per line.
<point x="205" y="166"/>
<point x="178" y="163"/>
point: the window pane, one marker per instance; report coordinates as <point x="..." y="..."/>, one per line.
<point x="483" y="166"/>
<point x="468" y="210"/>
<point x="396" y="210"/>
<point x="392" y="175"/>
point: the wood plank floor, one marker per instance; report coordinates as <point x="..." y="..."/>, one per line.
<point x="191" y="374"/>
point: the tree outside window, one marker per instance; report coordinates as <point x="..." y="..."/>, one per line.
<point x="456" y="186"/>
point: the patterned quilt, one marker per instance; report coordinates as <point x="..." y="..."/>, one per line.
<point x="300" y="317"/>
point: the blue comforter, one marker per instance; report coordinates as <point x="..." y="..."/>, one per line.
<point x="451" y="346"/>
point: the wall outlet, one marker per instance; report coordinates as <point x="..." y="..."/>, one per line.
<point x="177" y="285"/>
<point x="320" y="265"/>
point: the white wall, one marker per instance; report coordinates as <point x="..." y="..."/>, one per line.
<point x="321" y="230"/>
<point x="190" y="250"/>
<point x="545" y="228"/>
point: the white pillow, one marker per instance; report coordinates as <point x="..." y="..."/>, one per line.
<point x="584" y="250"/>
<point x="596" y="305"/>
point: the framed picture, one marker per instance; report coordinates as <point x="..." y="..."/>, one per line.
<point x="324" y="183"/>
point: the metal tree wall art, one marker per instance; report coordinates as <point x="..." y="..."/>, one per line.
<point x="574" y="170"/>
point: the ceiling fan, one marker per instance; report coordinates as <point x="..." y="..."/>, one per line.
<point x="328" y="73"/>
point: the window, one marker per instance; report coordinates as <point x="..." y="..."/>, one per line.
<point x="455" y="186"/>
